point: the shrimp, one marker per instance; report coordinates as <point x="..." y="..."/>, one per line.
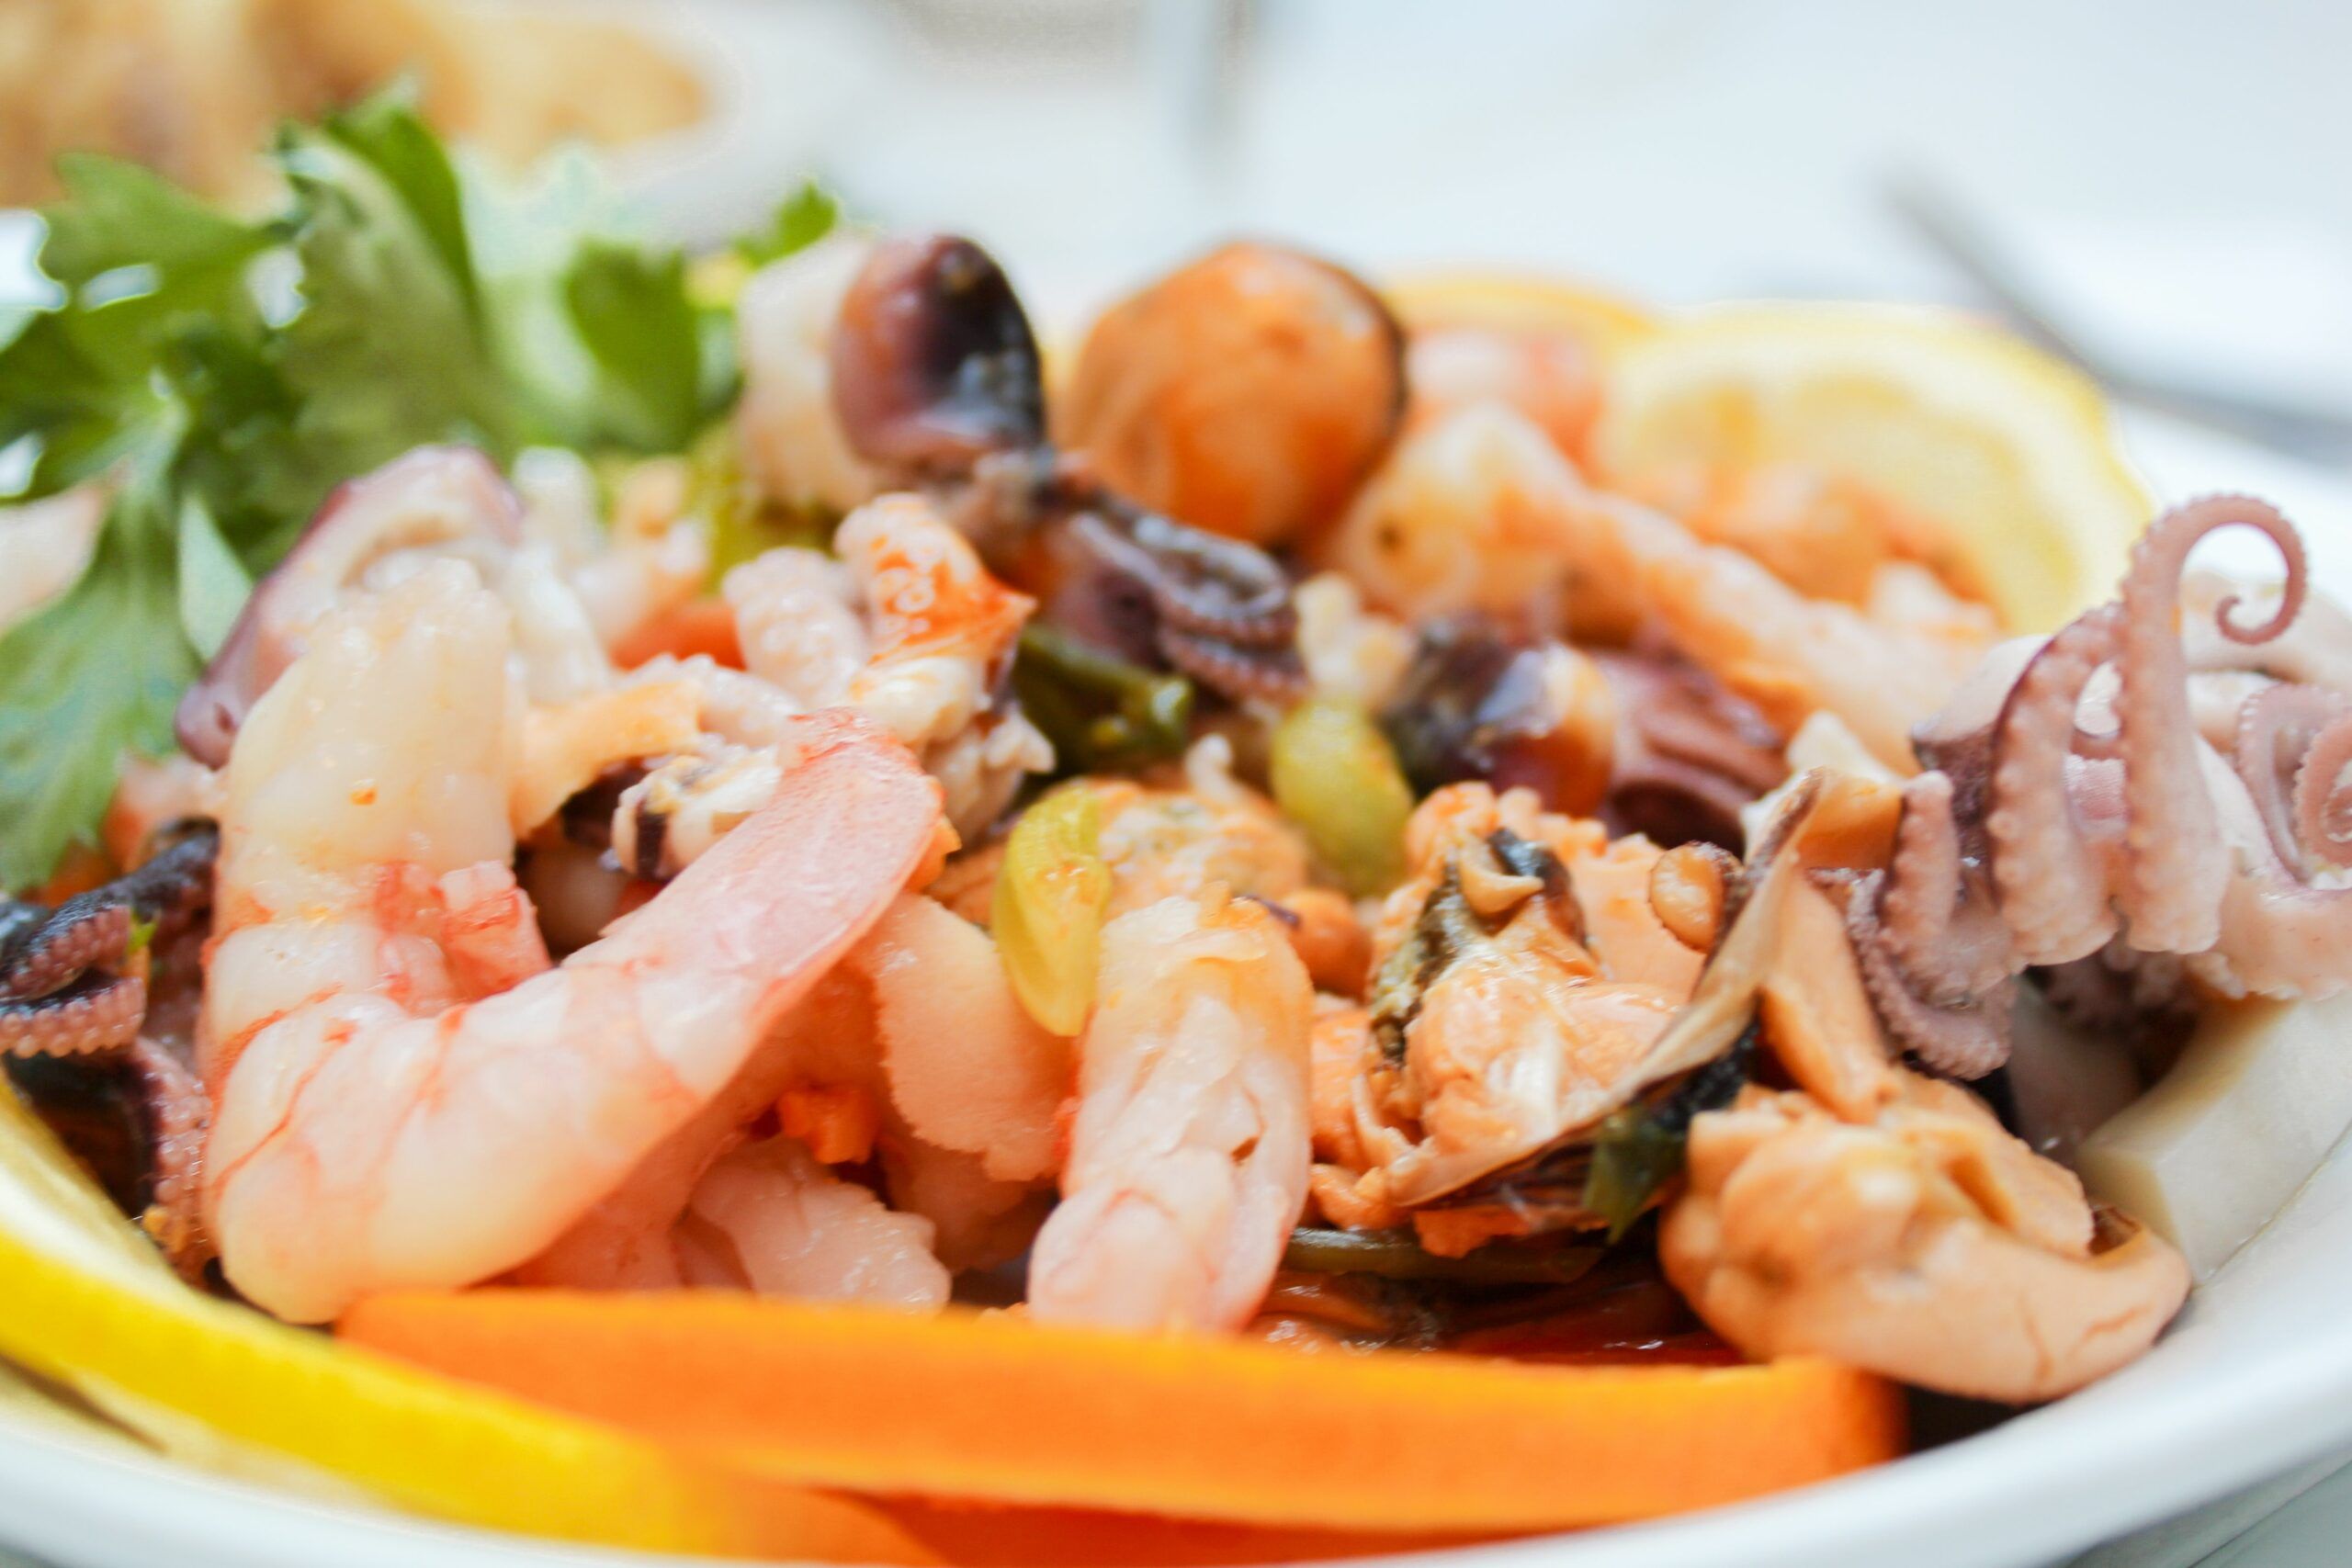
<point x="1823" y="537"/>
<point x="1477" y="512"/>
<point x="408" y="1095"/>
<point x="967" y="1067"/>
<point x="797" y="622"/>
<point x="1554" y="379"/>
<point x="1189" y="1152"/>
<point x="1350" y="651"/>
<point x="656" y="555"/>
<point x="792" y="442"/>
<point x="911" y="1050"/>
<point x="1926" y="1243"/>
<point x="769" y="1218"/>
<point x="910" y="629"/>
<point x="1162" y="842"/>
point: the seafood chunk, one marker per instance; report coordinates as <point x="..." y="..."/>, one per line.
<point x="1248" y="392"/>
<point x="1189" y="1152"/>
<point x="1491" y="998"/>
<point x="1927" y="1244"/>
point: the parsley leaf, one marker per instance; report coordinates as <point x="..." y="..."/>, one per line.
<point x="631" y="308"/>
<point x="92" y="675"/>
<point x="802" y="219"/>
<point x="387" y="349"/>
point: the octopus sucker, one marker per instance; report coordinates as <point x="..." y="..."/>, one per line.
<point x="93" y="1012"/>
<point x="1965" y="1038"/>
<point x="2290" y="748"/>
<point x="53" y="951"/>
<point x="70" y="981"/>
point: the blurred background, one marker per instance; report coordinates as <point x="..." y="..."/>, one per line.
<point x="2168" y="182"/>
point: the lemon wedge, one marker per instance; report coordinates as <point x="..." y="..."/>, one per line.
<point x="2006" y="451"/>
<point x="1603" y="321"/>
<point x="87" y="1302"/>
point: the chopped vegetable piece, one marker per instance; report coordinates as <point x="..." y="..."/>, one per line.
<point x="1395" y="1255"/>
<point x="984" y="1535"/>
<point x="1047" y="911"/>
<point x="1098" y="710"/>
<point x="1637" y="1151"/>
<point x="988" y="1405"/>
<point x="2259" y="1096"/>
<point x="1336" y="776"/>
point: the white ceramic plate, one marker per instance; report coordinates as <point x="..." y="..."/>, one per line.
<point x="2257" y="1376"/>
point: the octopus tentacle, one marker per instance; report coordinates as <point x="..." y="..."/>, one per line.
<point x="1215" y="587"/>
<point x="1923" y="880"/>
<point x="62" y="989"/>
<point x="2173" y="874"/>
<point x="96" y="1012"/>
<point x="1936" y="911"/>
<point x="1965" y="1040"/>
<point x="179" y="1117"/>
<point x="2318" y="790"/>
<point x="60" y="945"/>
<point x="1233" y="671"/>
<point x="2050" y="880"/>
<point x="2273" y="753"/>
<point x="2280" y="934"/>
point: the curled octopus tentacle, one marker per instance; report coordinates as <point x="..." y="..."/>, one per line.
<point x="69" y="983"/>
<point x="2290" y="750"/>
<point x="1936" y="911"/>
<point x="1964" y="1040"/>
<point x="2283" y="933"/>
<point x="178" y="1116"/>
<point x="2318" y="781"/>
<point x="1935" y="954"/>
<point x="2051" y="881"/>
<point x="2176" y="865"/>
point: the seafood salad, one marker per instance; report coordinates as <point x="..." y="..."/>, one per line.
<point x="816" y="928"/>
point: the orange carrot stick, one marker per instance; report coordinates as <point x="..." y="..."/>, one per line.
<point x="991" y="1406"/>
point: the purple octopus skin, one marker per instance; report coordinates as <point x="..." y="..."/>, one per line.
<point x="66" y="981"/>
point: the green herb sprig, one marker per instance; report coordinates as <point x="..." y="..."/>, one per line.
<point x="218" y="376"/>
